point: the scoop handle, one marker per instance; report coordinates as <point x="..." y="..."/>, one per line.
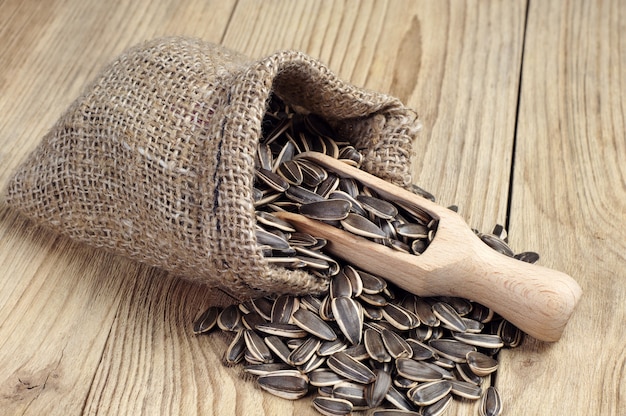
<point x="536" y="299"/>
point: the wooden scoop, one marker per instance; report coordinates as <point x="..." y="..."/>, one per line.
<point x="536" y="299"/>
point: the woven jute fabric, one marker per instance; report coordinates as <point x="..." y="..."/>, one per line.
<point x="155" y="160"/>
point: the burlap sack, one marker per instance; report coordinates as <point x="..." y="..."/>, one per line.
<point x="155" y="160"/>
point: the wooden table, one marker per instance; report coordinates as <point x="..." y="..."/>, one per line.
<point x="524" y="112"/>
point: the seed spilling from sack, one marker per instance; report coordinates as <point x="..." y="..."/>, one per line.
<point x="364" y="343"/>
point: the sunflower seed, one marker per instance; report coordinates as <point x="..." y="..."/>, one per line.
<point x="271" y="220"/>
<point x="265" y="369"/>
<point x="236" y="350"/>
<point x="265" y="238"/>
<point x="353" y="392"/>
<point x="451" y="349"/>
<point x="229" y="319"/>
<point x="326" y="210"/>
<point x="348" y="367"/>
<point x="361" y="226"/>
<point x="278" y="347"/>
<point x="511" y="336"/>
<point x="305" y="351"/>
<point x="491" y="403"/>
<point x="375" y="392"/>
<point x="396" y="345"/>
<point x="416" y="370"/>
<point x="497" y="244"/>
<point x="420" y="351"/>
<point x="438" y="408"/>
<point x="404" y="383"/>
<point x="257" y="347"/>
<point x="449" y="317"/>
<point x="206" y="321"/>
<point x="375" y="347"/>
<point x="428" y="393"/>
<point x="312" y="174"/>
<point x="398" y="399"/>
<point x="411" y="230"/>
<point x="330" y="347"/>
<point x="466" y="374"/>
<point x="302" y="195"/>
<point x="328" y="185"/>
<point x="479" y="340"/>
<point x="349" y="317"/>
<point x="355" y="280"/>
<point x="263" y="307"/>
<point x="315" y="362"/>
<point x="481" y="364"/>
<point x="331" y="406"/>
<point x="372" y="285"/>
<point x="378" y="207"/>
<point x="465" y="390"/>
<point x="289" y="384"/>
<point x="324" y="377"/>
<point x="400" y="317"/>
<point x="528" y="257"/>
<point x="252" y="320"/>
<point x="273" y="180"/>
<point x="313" y="324"/>
<point x="283" y="307"/>
<point x="282" y="330"/>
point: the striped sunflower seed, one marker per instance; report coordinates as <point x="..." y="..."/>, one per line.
<point x="313" y="324"/>
<point x="375" y="392"/>
<point x="349" y="317"/>
<point x="451" y="349"/>
<point x="257" y="347"/>
<point x="324" y="377"/>
<point x="378" y="207"/>
<point x="375" y="347"/>
<point x="229" y="319"/>
<point x="331" y="406"/>
<point x="401" y="318"/>
<point x="481" y="364"/>
<point x="428" y="393"/>
<point x="273" y="180"/>
<point x="395" y="344"/>
<point x="346" y="366"/>
<point x="326" y="210"/>
<point x="479" y="340"/>
<point x="206" y="321"/>
<point x="449" y="317"/>
<point x="288" y="384"/>
<point x="353" y="392"/>
<point x="416" y="370"/>
<point x="281" y="330"/>
<point x="466" y="390"/>
<point x="278" y="347"/>
<point x="265" y="369"/>
<point x="236" y="350"/>
<point x="305" y="351"/>
<point x="438" y="408"/>
<point x="283" y="307"/>
<point x="361" y="226"/>
<point x="491" y="403"/>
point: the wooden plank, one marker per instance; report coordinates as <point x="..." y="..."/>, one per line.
<point x="58" y="300"/>
<point x="569" y="203"/>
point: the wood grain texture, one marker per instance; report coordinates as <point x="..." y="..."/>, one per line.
<point x="84" y="332"/>
<point x="569" y="201"/>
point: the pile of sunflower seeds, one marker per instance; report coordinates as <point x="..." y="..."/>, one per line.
<point x="364" y="344"/>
